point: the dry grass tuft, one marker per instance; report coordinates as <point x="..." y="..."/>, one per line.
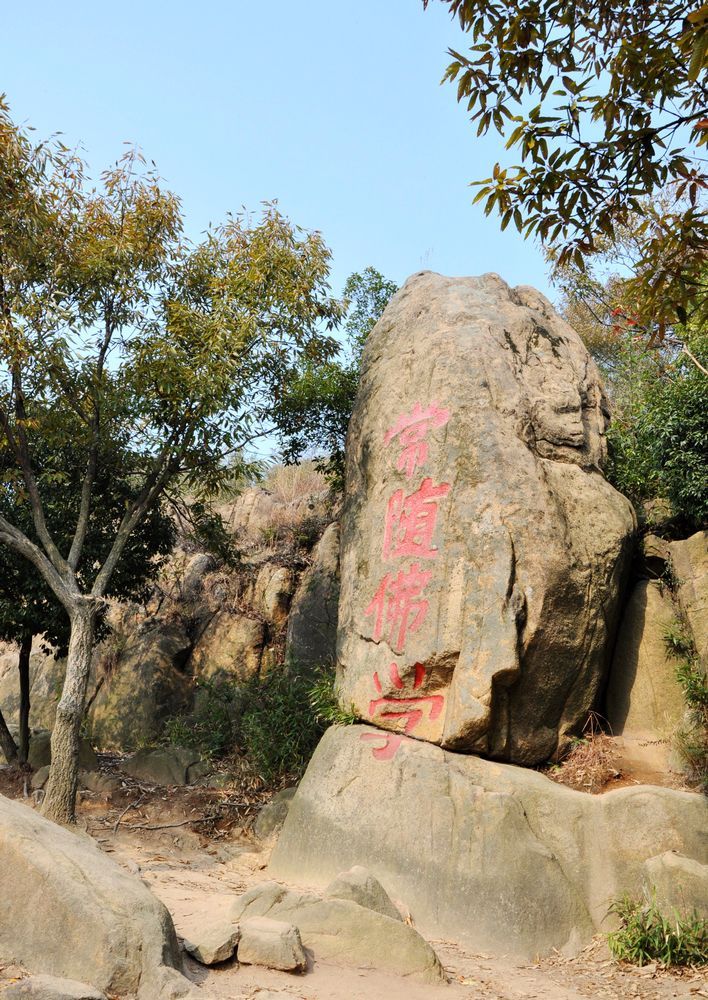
<point x="589" y="766"/>
<point x="288" y="483"/>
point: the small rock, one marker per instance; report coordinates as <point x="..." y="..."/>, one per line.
<point x="359" y="885"/>
<point x="162" y="765"/>
<point x="40" y="751"/>
<point x="272" y="943"/>
<point x="52" y="988"/>
<point x="215" y="943"/>
<point x="39" y="778"/>
<point x="271" y="817"/>
<point x="101" y="784"/>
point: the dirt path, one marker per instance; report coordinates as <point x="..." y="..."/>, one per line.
<point x="197" y="887"/>
<point x="198" y="875"/>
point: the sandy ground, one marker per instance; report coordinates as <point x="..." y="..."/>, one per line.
<point x="197" y="875"/>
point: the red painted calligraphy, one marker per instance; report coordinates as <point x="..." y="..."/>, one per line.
<point x="411" y="429"/>
<point x="392" y="742"/>
<point x="410" y="521"/>
<point x="407" y="708"/>
<point x="398" y="606"/>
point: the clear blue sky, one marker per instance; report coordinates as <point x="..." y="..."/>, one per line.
<point x="331" y="106"/>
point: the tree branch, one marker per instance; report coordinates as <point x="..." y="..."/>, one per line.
<point x="65" y="591"/>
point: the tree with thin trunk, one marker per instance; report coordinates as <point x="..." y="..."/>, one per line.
<point x="114" y="327"/>
<point x="28" y="607"/>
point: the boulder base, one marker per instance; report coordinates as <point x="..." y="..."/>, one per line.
<point x="479" y="852"/>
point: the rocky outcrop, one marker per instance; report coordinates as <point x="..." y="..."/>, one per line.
<point x="483" y="551"/>
<point x="689" y="559"/>
<point x="77" y="915"/>
<point x="46" y="680"/>
<point x="495" y="856"/>
<point x="229" y="649"/>
<point x="148" y="684"/>
<point x="312" y="624"/>
<point x="644" y="698"/>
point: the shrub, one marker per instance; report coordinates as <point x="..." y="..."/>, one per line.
<point x="325" y="704"/>
<point x="209" y="729"/>
<point x="691" y="740"/>
<point x="658" y="439"/>
<point x="648" y="935"/>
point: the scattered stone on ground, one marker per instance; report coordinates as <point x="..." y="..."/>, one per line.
<point x="359" y="885"/>
<point x="270" y="819"/>
<point x="216" y="943"/>
<point x="51" y="988"/>
<point x="165" y="765"/>
<point x="272" y="943"/>
<point x="342" y="931"/>
<point x="91" y="920"/>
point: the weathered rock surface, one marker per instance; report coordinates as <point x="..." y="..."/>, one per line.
<point x="272" y="943"/>
<point x="271" y="817"/>
<point x="229" y="649"/>
<point x="164" y="765"/>
<point x="359" y="885"/>
<point x="690" y="564"/>
<point x="644" y="698"/>
<point x="342" y="931"/>
<point x="46" y="681"/>
<point x="76" y="914"/>
<point x="312" y="624"/>
<point x="483" y="551"/>
<point x="479" y="851"/>
<point x="51" y="988"/>
<point x="148" y="685"/>
<point x="215" y="943"/>
<point x="679" y="884"/>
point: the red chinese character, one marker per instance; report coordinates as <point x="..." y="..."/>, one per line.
<point x="410" y="521"/>
<point x="409" y="709"/>
<point x="392" y="742"/>
<point x="411" y="430"/>
<point x="398" y="604"/>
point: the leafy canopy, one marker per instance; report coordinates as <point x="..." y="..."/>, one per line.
<point x="122" y="341"/>
<point x="606" y="103"/>
<point x="314" y="407"/>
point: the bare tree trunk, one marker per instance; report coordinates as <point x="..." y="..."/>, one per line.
<point x="24" y="667"/>
<point x="60" y="800"/>
<point x="7" y="744"/>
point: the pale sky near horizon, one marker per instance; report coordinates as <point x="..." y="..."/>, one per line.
<point x="333" y="108"/>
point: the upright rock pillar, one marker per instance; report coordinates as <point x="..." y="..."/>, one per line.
<point x="483" y="551"/>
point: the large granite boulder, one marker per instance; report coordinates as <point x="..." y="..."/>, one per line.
<point x="68" y="910"/>
<point x="483" y="552"/>
<point x="312" y="624"/>
<point x="498" y="857"/>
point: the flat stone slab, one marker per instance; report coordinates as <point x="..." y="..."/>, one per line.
<point x="51" y="988"/>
